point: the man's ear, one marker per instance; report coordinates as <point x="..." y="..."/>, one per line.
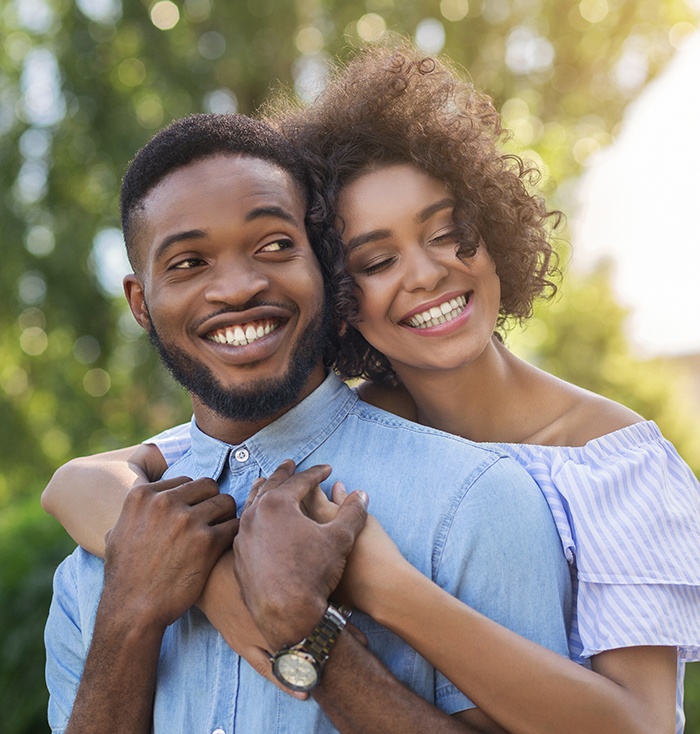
<point x="133" y="289"/>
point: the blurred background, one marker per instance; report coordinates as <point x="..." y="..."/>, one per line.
<point x="602" y="94"/>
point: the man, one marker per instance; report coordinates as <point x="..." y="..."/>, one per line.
<point x="236" y="296"/>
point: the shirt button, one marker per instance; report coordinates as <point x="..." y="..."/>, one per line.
<point x="218" y="731"/>
<point x="241" y="455"/>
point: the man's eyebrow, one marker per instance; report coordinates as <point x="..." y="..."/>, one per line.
<point x="428" y="212"/>
<point x="277" y="212"/>
<point x="171" y="239"/>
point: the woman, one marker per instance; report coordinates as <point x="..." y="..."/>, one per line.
<point x="407" y="154"/>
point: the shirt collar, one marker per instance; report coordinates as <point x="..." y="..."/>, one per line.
<point x="294" y="435"/>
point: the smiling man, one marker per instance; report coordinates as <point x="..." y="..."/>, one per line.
<point x="233" y="285"/>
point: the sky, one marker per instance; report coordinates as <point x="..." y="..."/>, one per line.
<point x="639" y="204"/>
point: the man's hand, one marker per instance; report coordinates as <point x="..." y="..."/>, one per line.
<point x="223" y="604"/>
<point x="374" y="562"/>
<point x="162" y="548"/>
<point x="287" y="564"/>
<point x="158" y="557"/>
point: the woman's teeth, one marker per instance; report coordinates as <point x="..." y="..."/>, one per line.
<point x="438" y="314"/>
<point x="242" y="335"/>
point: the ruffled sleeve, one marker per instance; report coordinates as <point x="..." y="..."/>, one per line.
<point x="627" y="508"/>
<point x="173" y="443"/>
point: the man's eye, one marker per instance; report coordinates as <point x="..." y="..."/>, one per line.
<point x="190" y="262"/>
<point x="277" y="246"/>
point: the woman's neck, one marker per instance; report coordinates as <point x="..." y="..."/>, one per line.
<point x="502" y="399"/>
<point x="493" y="398"/>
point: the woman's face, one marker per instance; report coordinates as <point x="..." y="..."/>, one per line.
<point x="420" y="305"/>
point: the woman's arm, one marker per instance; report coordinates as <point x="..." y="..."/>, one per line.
<point x="526" y="688"/>
<point x="86" y="494"/>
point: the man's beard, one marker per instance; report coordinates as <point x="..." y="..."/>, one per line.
<point x="259" y="399"/>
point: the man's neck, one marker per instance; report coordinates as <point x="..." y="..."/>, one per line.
<point x="235" y="432"/>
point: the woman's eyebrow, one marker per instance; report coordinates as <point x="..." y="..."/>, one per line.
<point x="428" y="212"/>
<point x="365" y="237"/>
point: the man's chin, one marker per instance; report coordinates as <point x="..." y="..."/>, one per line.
<point x="254" y="400"/>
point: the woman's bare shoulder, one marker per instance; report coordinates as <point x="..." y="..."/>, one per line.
<point x="587" y="416"/>
<point x="393" y="399"/>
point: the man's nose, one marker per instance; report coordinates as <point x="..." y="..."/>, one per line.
<point x="236" y="281"/>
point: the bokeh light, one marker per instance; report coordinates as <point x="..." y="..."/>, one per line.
<point x="165" y="15"/>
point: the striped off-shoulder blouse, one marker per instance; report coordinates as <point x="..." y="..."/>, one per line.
<point x="627" y="509"/>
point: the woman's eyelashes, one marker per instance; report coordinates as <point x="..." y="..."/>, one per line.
<point x="445" y="238"/>
<point x="376" y="266"/>
<point x="382" y="262"/>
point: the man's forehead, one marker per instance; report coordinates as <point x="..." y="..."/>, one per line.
<point x="240" y="175"/>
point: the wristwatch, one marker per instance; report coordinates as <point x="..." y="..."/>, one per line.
<point x="299" y="666"/>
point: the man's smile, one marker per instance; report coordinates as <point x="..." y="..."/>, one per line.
<point x="243" y="334"/>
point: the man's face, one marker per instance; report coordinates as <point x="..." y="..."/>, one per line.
<point x="230" y="291"/>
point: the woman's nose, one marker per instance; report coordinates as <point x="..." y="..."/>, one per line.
<point x="424" y="270"/>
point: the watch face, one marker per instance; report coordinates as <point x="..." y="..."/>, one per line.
<point x="296" y="670"/>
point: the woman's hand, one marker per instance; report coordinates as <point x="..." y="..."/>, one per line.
<point x="374" y="561"/>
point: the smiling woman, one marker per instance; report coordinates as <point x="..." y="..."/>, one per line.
<point x="413" y="292"/>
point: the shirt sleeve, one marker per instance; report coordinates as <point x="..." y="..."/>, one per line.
<point x="65" y="647"/>
<point x="173" y="443"/>
<point x="635" y="518"/>
<point x="500" y="554"/>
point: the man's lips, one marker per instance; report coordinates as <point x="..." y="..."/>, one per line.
<point x="242" y="334"/>
<point x="440" y="313"/>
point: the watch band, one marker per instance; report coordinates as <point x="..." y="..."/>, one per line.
<point x="324" y="635"/>
<point x="300" y="666"/>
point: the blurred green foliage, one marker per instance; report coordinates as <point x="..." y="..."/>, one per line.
<point x="84" y="84"/>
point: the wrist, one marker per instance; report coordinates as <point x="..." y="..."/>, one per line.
<point x="299" y="667"/>
<point x="294" y="622"/>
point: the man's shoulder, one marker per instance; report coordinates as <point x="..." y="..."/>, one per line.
<point x="401" y="441"/>
<point x="374" y="419"/>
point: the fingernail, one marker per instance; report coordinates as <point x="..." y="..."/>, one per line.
<point x="363" y="496"/>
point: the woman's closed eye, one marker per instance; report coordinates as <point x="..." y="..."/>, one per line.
<point x="375" y="266"/>
<point x="445" y="238"/>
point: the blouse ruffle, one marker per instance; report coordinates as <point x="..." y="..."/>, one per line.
<point x="627" y="509"/>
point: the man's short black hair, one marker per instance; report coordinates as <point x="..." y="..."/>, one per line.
<point x="191" y="139"/>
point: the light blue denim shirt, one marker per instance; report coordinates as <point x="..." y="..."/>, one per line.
<point x="466" y="516"/>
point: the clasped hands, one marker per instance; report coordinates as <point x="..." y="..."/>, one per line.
<point x="263" y="581"/>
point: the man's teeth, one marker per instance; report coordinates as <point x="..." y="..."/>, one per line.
<point x="242" y="335"/>
<point x="438" y="314"/>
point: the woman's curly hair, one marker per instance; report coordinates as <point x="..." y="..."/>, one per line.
<point x="391" y="105"/>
